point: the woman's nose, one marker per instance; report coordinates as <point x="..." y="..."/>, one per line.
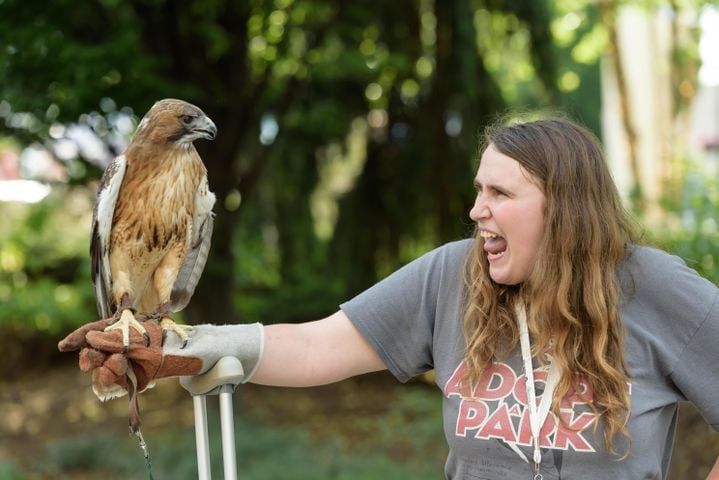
<point x="479" y="210"/>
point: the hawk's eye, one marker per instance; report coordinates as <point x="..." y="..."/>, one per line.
<point x="187" y="119"/>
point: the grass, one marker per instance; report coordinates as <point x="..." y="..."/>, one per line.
<point x="405" y="442"/>
<point x="10" y="471"/>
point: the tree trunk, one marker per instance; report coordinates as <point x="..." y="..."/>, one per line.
<point x="607" y="12"/>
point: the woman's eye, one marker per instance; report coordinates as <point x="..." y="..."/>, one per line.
<point x="495" y="192"/>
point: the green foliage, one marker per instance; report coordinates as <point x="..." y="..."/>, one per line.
<point x="71" y="57"/>
<point x="111" y="456"/>
<point x="691" y="230"/>
<point x="44" y="267"/>
<point x="10" y="471"/>
<point x="414" y="425"/>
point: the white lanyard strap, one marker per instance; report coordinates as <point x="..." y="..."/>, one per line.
<point x="536" y="417"/>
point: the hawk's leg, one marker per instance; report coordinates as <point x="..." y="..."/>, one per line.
<point x="168" y="324"/>
<point x="125" y="320"/>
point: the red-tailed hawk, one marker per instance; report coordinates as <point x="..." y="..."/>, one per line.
<point x="152" y="222"/>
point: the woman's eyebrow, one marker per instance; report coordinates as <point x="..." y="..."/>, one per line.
<point x="493" y="186"/>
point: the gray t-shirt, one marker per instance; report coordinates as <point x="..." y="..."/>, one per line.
<point x="413" y="319"/>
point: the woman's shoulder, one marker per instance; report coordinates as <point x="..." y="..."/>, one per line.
<point x="457" y="247"/>
<point x="450" y="252"/>
<point x="649" y="261"/>
<point x="671" y="316"/>
<point x="645" y="254"/>
<point x="649" y="270"/>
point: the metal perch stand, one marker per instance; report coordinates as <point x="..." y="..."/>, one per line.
<point x="222" y="379"/>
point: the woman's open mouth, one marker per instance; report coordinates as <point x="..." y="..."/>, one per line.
<point x="494" y="245"/>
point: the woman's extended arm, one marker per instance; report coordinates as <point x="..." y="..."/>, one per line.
<point x="315" y="353"/>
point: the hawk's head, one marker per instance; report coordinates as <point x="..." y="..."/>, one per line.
<point x="176" y="121"/>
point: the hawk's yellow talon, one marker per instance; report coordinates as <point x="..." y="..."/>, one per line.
<point x="182" y="331"/>
<point x="127" y="320"/>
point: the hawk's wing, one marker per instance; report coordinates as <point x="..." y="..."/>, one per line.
<point x="102" y="215"/>
<point x="202" y="222"/>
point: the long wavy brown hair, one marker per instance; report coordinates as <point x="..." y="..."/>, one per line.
<point x="571" y="293"/>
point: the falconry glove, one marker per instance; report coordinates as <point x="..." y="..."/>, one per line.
<point x="103" y="353"/>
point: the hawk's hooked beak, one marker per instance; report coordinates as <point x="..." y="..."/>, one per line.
<point x="205" y="128"/>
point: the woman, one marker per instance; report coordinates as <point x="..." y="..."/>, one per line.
<point x="561" y="347"/>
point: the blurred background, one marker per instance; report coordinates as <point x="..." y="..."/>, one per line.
<point x="347" y="146"/>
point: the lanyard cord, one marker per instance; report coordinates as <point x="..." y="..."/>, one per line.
<point x="537" y="417"/>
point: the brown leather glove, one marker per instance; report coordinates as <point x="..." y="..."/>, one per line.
<point x="102" y="353"/>
<point x="116" y="372"/>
